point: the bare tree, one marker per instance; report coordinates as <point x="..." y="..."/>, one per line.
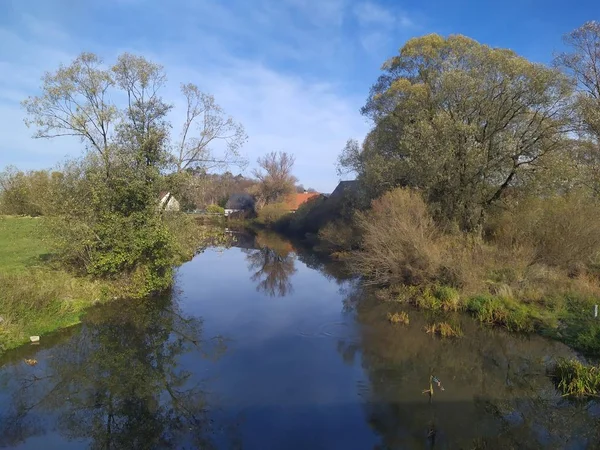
<point x="275" y="177"/>
<point x="208" y="119"/>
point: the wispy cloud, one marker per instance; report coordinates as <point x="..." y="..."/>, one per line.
<point x="369" y="13"/>
<point x="378" y="24"/>
<point x="282" y="92"/>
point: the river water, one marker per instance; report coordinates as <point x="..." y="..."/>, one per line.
<point x="264" y="346"/>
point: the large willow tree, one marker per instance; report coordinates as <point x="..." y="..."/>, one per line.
<point x="462" y="122"/>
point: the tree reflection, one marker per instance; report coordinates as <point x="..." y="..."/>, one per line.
<point x="497" y="393"/>
<point x="117" y="384"/>
<point x="272" y="264"/>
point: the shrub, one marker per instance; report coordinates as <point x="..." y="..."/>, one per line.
<point x="563" y="231"/>
<point x="215" y="209"/>
<point x="401" y="244"/>
<point x="338" y="236"/>
<point x="573" y="378"/>
<point x="271" y="213"/>
<point x="399" y="317"/>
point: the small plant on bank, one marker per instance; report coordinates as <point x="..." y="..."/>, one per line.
<point x="576" y="379"/>
<point x="399" y="317"/>
<point x="448" y="297"/>
<point x="495" y="310"/>
<point x="444" y="329"/>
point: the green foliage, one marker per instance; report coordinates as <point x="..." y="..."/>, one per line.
<point x="576" y="379"/>
<point x="38" y="301"/>
<point x="271" y="213"/>
<point x="26" y="193"/>
<point x="445" y="113"/>
<point x="215" y="209"/>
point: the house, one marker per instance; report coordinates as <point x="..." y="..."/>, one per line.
<point x="239" y="203"/>
<point x="344" y="189"/>
<point x="295" y="200"/>
<point x="167" y="202"/>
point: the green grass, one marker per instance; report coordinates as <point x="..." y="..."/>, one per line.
<point x="576" y="379"/>
<point x="35" y="298"/>
<point x="563" y="312"/>
<point x="22" y="244"/>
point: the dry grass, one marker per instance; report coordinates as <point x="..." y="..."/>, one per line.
<point x="399" y="317"/>
<point x="444" y="329"/>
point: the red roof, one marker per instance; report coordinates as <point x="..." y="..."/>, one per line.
<point x="294" y="201"/>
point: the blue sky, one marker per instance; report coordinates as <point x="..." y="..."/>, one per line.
<point x="294" y="72"/>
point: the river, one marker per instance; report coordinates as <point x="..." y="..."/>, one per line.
<point x="265" y="346"/>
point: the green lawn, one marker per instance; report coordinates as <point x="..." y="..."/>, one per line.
<point x="36" y="298"/>
<point x="22" y="245"/>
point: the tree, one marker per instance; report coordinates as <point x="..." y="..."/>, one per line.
<point x="204" y="114"/>
<point x="115" y="226"/>
<point x="583" y="64"/>
<point x="275" y="177"/>
<point x="75" y="103"/>
<point x="462" y="122"/>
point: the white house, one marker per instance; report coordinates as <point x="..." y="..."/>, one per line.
<point x="168" y="202"/>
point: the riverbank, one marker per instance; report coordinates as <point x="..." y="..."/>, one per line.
<point x="37" y="297"/>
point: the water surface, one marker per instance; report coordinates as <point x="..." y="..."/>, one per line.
<point x="264" y="346"/>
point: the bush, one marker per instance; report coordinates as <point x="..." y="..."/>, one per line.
<point x="215" y="209"/>
<point x="401" y="244"/>
<point x="271" y="213"/>
<point x="562" y="231"/>
<point x="338" y="236"/>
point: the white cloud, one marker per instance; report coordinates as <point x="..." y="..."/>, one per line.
<point x="377" y="24"/>
<point x="280" y="110"/>
<point x="369" y="13"/>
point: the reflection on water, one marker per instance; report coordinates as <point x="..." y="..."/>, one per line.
<point x="116" y="383"/>
<point x="271" y="264"/>
<point x="316" y="367"/>
<point x="497" y="392"/>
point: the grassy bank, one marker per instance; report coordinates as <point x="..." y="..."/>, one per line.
<point x="565" y="314"/>
<point x="36" y="297"/>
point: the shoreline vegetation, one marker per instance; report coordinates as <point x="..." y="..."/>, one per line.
<point x="477" y="188"/>
<point x="39" y="296"/>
